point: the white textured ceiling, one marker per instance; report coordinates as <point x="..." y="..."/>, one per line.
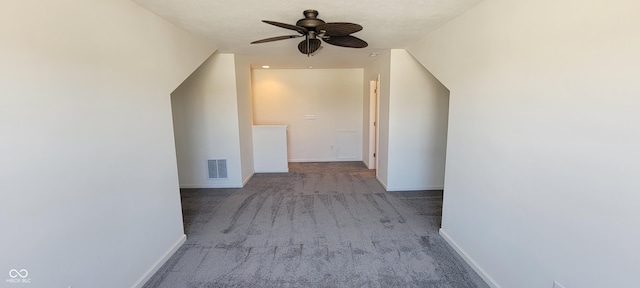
<point x="233" y="24"/>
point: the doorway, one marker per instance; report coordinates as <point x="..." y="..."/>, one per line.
<point x="374" y="100"/>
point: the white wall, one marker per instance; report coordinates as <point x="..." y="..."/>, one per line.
<point x="245" y="116"/>
<point x="418" y="111"/>
<point x="369" y="140"/>
<point x="88" y="178"/>
<point x="542" y="178"/>
<point x="334" y="96"/>
<point x="382" y="67"/>
<point x="206" y="123"/>
<point x="270" y="149"/>
<point x="412" y="123"/>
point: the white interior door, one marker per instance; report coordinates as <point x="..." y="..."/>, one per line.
<point x="377" y="121"/>
<point x="373" y="121"/>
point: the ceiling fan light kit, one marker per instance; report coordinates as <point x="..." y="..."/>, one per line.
<point x="314" y="30"/>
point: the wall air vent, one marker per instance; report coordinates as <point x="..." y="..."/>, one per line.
<point x="217" y="168"/>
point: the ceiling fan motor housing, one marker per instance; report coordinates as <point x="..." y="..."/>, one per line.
<point x="310" y="20"/>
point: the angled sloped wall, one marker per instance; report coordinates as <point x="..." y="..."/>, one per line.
<point x="89" y="181"/>
<point x="541" y="177"/>
<point x="206" y="123"/>
<point x="418" y="111"/>
<point x="412" y="124"/>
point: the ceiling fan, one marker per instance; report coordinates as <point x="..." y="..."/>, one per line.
<point x="314" y="29"/>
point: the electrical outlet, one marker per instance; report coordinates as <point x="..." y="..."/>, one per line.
<point x="557" y="285"/>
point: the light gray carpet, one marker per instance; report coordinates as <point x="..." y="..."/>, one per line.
<point x="320" y="225"/>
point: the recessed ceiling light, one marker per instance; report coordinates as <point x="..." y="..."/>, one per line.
<point x="265" y="66"/>
<point x="310" y="67"/>
<point x="373" y="54"/>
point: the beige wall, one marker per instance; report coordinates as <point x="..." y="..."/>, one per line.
<point x="206" y="123"/>
<point x="89" y="186"/>
<point x="412" y="125"/>
<point x="541" y="178"/>
<point x="418" y="111"/>
<point x="334" y="96"/>
<point x="245" y="116"/>
<point x="382" y="67"/>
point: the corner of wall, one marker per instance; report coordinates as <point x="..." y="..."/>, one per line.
<point x="246" y="180"/>
<point x="207" y="123"/>
<point x="161" y="261"/>
<point x="245" y="115"/>
<point x="382" y="182"/>
<point x="483" y="274"/>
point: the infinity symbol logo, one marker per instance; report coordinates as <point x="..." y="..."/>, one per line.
<point x="23" y="273"/>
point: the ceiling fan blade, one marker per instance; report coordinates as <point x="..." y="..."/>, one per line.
<point x="346" y="41"/>
<point x="339" y="28"/>
<point x="276" y="38"/>
<point x="312" y="46"/>
<point x="317" y="51"/>
<point x="287" y="26"/>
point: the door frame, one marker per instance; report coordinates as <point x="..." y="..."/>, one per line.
<point x="374" y="100"/>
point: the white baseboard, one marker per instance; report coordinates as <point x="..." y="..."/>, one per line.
<point x="483" y="274"/>
<point x="221" y="185"/>
<point x="248" y="178"/>
<point x="273" y="171"/>
<point x="414" y="188"/>
<point x="382" y="183"/>
<point x="163" y="259"/>
<point x="326" y="160"/>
